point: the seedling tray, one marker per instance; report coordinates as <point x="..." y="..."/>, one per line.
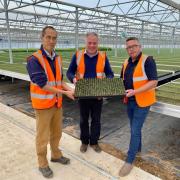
<point x="93" y="87"/>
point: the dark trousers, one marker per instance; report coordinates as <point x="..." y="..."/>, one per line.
<point x="90" y="107"/>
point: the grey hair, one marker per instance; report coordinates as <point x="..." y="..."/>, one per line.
<point x="91" y="33"/>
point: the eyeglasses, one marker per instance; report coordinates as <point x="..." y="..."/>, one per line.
<point x="132" y="47"/>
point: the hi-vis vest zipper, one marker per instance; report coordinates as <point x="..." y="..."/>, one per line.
<point x="81" y="64"/>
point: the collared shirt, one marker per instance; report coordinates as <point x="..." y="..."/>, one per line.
<point x="52" y="57"/>
<point x="150" y="69"/>
<point x="36" y="71"/>
<point x="85" y="52"/>
<point x="90" y="67"/>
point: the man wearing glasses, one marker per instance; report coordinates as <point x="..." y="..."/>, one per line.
<point x="139" y="75"/>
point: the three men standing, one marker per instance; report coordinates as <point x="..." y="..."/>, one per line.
<point x="47" y="86"/>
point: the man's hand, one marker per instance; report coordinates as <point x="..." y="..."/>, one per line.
<point x="130" y="92"/>
<point x="69" y="94"/>
<point x="74" y="81"/>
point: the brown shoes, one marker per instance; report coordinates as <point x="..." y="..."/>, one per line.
<point x="96" y="148"/>
<point x="126" y="169"/>
<point x="62" y="160"/>
<point x="83" y="148"/>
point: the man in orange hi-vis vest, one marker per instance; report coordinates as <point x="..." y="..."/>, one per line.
<point x="90" y="63"/>
<point x="139" y="75"/>
<point x="46" y="89"/>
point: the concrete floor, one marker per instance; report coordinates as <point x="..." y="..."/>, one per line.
<point x="161" y="133"/>
<point x="18" y="159"/>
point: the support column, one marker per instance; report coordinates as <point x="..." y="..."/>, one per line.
<point x="142" y="32"/>
<point x="27" y="48"/>
<point x="159" y="44"/>
<point x="172" y="45"/>
<point x="77" y="30"/>
<point x="8" y="32"/>
<point x="116" y="40"/>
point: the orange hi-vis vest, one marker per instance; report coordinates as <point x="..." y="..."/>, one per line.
<point x="42" y="99"/>
<point x="146" y="98"/>
<point x="81" y="64"/>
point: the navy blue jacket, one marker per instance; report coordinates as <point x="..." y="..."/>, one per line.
<point x="36" y="71"/>
<point x="90" y="67"/>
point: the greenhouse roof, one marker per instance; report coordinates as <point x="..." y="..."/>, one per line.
<point x="115" y="17"/>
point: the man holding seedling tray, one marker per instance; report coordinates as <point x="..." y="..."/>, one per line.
<point x="139" y="74"/>
<point x="90" y="63"/>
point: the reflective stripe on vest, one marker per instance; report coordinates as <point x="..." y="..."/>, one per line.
<point x="60" y="68"/>
<point x="100" y="74"/>
<point x="145" y="98"/>
<point x="144" y="77"/>
<point x="78" y="59"/>
<point x="51" y="83"/>
<point x="42" y="61"/>
<point x="41" y="96"/>
<point x="140" y="78"/>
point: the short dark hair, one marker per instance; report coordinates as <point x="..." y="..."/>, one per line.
<point x="132" y="38"/>
<point x="44" y="30"/>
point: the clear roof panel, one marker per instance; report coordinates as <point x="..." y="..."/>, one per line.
<point x="176" y="1"/>
<point x="131" y="16"/>
<point x="152" y="11"/>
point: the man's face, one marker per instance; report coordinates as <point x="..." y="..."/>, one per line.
<point x="91" y="44"/>
<point x="133" y="48"/>
<point x="49" y="40"/>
